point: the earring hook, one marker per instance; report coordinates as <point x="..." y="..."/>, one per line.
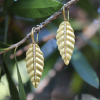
<point x="68" y="14"/>
<point x="37" y="39"/>
<point x="32" y="35"/>
<point x="64" y="13"/>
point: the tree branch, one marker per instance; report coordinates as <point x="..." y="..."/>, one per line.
<point x="43" y="24"/>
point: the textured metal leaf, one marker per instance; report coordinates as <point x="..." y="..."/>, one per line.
<point x="34" y="63"/>
<point x="65" y="41"/>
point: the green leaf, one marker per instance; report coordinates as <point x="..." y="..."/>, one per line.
<point x="21" y="88"/>
<point x="3" y="45"/>
<point x="84" y="69"/>
<point x="13" y="90"/>
<point x="35" y="8"/>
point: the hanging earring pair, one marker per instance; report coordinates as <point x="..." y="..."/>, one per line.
<point x="65" y="39"/>
<point x="34" y="61"/>
<point x="34" y="56"/>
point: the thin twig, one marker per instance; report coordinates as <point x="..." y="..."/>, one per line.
<point x="43" y="24"/>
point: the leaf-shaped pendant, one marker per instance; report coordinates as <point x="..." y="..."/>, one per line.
<point x="65" y="41"/>
<point x="34" y="63"/>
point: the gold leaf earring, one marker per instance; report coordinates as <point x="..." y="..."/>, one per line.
<point x="65" y="39"/>
<point x="34" y="61"/>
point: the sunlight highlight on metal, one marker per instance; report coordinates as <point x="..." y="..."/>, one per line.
<point x="65" y="41"/>
<point x="34" y="62"/>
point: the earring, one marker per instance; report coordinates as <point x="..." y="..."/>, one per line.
<point x="65" y="39"/>
<point x="34" y="61"/>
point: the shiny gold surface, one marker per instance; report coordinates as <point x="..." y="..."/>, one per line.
<point x="65" y="41"/>
<point x="34" y="63"/>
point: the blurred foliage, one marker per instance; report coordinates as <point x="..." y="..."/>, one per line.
<point x="21" y="88"/>
<point x="94" y="99"/>
<point x="90" y="9"/>
<point x="77" y="82"/>
<point x="48" y="65"/>
<point x="3" y="45"/>
<point x="12" y="87"/>
<point x="84" y="69"/>
<point x="6" y="27"/>
<point x="16" y="20"/>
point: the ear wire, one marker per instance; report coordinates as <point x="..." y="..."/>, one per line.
<point x="68" y="14"/>
<point x="64" y="13"/>
<point x="32" y="35"/>
<point x="37" y="39"/>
